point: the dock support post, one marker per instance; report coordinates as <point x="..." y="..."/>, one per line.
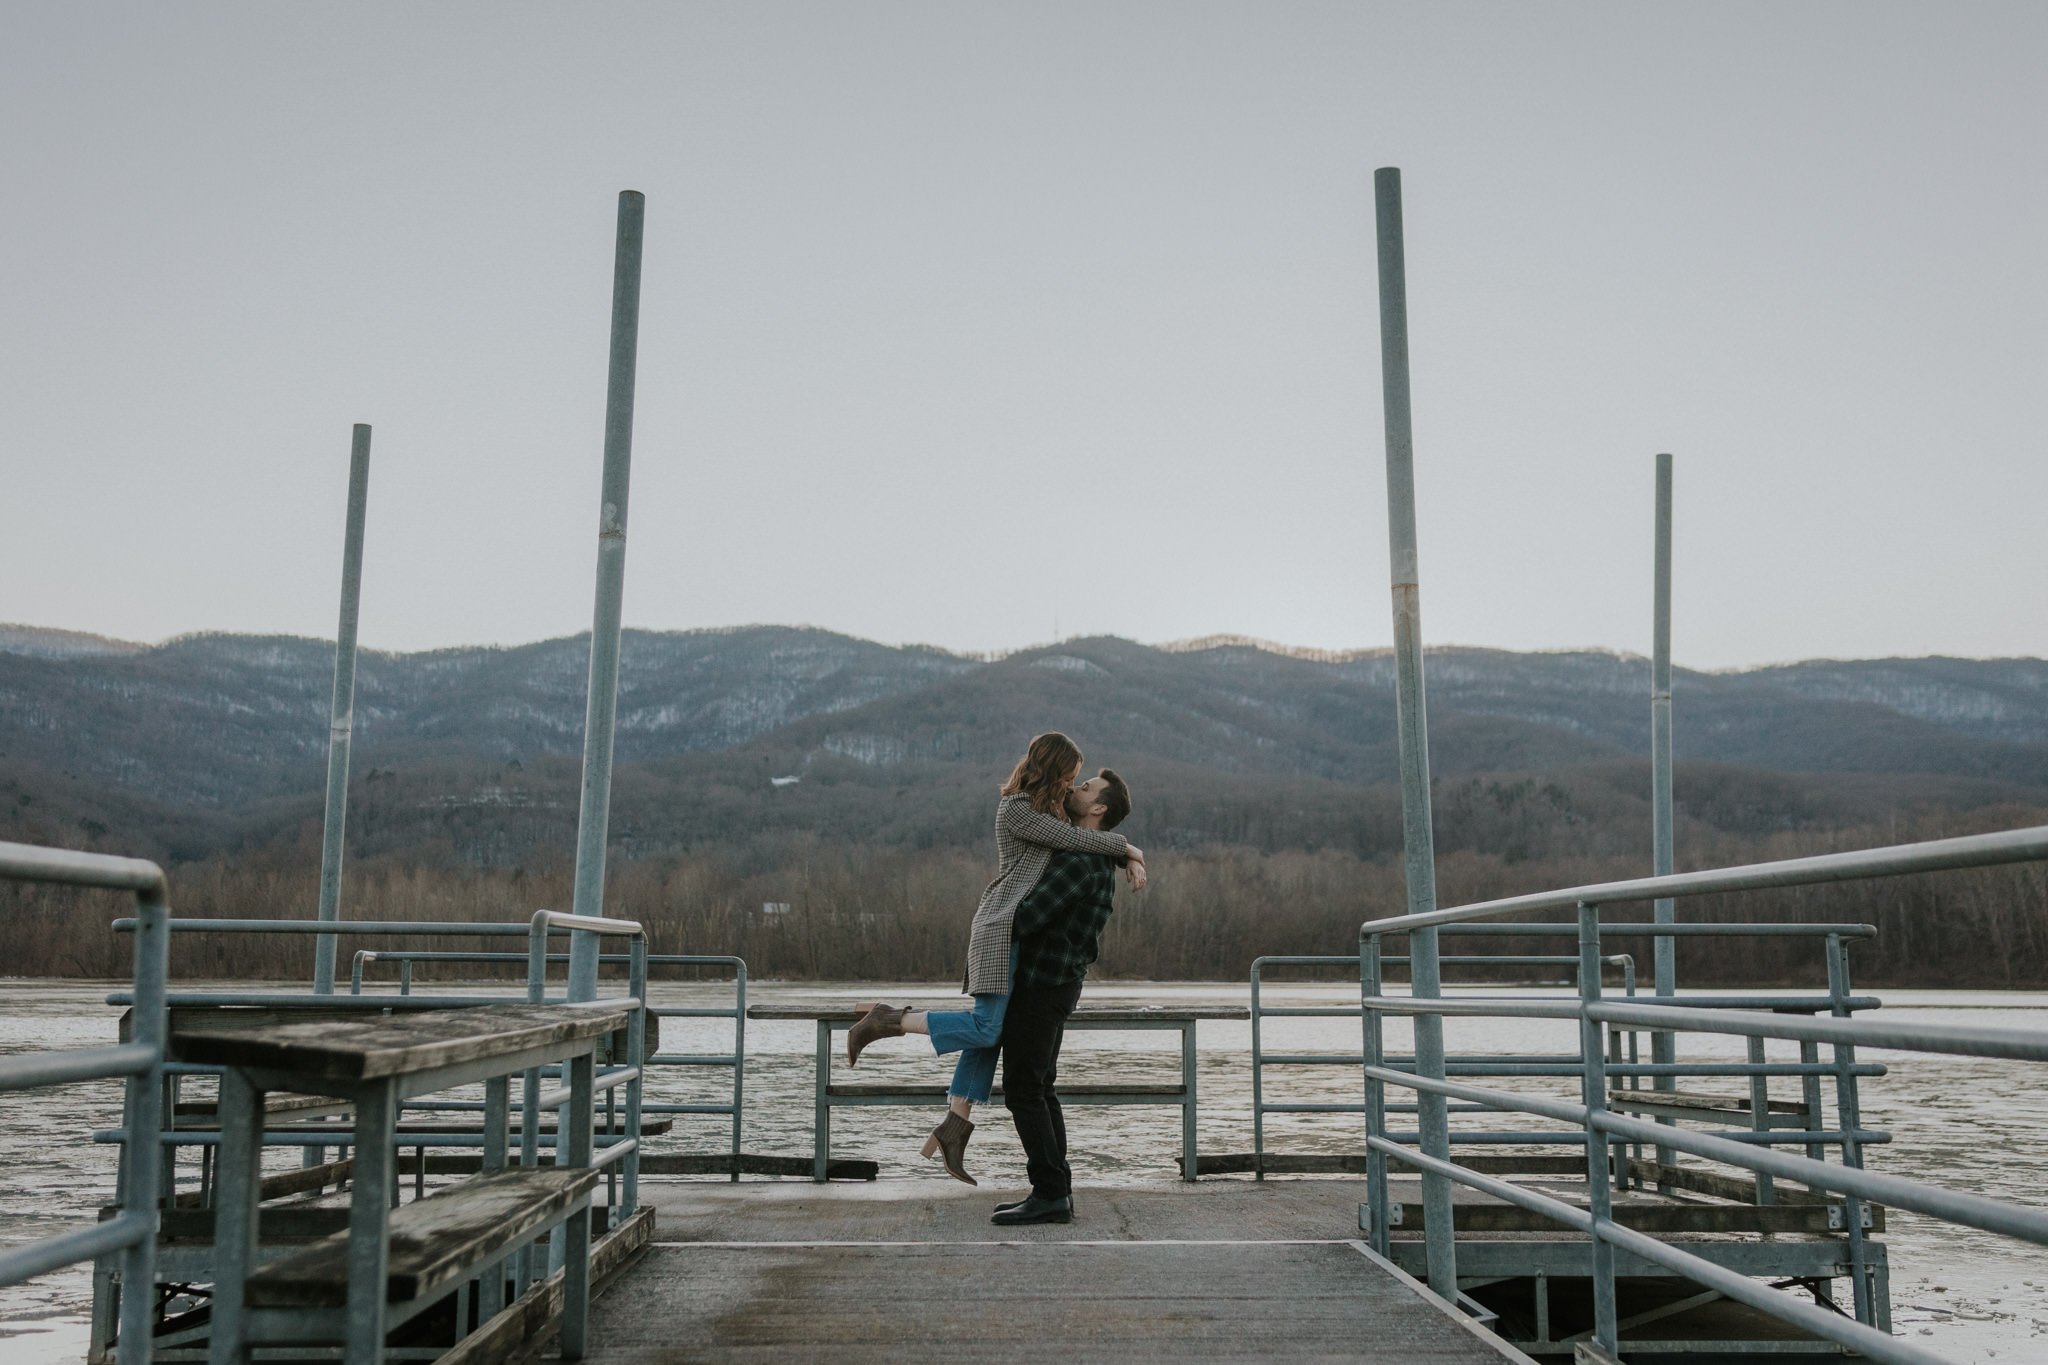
<point x="1417" y="838"/>
<point x="602" y="703"/>
<point x="1849" y="1114"/>
<point x="739" y="1065"/>
<point x="636" y="1057"/>
<point x="142" y="1104"/>
<point x="1809" y="1092"/>
<point x="235" y="1224"/>
<point x="821" y="1113"/>
<point x="1760" y="1115"/>
<point x="1259" y="1084"/>
<point x="574" y="1128"/>
<point x="497" y="1141"/>
<point x="1662" y="1048"/>
<point x="341" y="717"/>
<point x="527" y="1262"/>
<point x="1371" y="984"/>
<point x="1593" y="1086"/>
<point x="369" y="1221"/>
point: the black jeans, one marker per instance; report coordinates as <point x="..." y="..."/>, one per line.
<point x="1033" y="1029"/>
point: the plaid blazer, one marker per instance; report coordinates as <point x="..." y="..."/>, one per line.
<point x="1025" y="842"/>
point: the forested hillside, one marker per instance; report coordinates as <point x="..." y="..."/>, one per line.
<point x="853" y="782"/>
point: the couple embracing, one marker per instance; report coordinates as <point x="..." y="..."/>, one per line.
<point x="1035" y="932"/>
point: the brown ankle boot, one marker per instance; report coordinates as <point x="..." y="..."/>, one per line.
<point x="883" y="1021"/>
<point x="950" y="1139"/>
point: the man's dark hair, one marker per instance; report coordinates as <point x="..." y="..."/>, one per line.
<point x="1115" y="794"/>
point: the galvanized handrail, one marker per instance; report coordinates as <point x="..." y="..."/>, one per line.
<point x="1897" y="860"/>
<point x="585" y="933"/>
<point x="1633" y="929"/>
<point x="1624" y="1061"/>
<point x="1849" y="1135"/>
<point x="1599" y="1128"/>
<point x="423" y="928"/>
<point x="1977" y="1211"/>
<point x="735" y="1061"/>
<point x="139" y="1062"/>
<point x="1478" y="1064"/>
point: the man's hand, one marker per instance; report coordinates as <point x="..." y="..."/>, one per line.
<point x="1134" y="867"/>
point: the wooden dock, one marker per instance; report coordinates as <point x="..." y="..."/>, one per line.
<point x="909" y="1271"/>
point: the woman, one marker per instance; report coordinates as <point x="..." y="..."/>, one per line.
<point x="1032" y="823"/>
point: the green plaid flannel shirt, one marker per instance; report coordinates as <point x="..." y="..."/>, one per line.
<point x="1058" y="925"/>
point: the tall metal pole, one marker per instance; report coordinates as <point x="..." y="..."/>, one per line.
<point x="1662" y="1045"/>
<point x="341" y="723"/>
<point x="602" y="704"/>
<point x="1417" y="840"/>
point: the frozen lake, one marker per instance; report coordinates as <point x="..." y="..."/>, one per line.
<point x="1977" y="1126"/>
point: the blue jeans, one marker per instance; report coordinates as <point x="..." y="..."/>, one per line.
<point x="974" y="1034"/>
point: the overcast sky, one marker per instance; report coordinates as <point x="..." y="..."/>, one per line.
<point x="974" y="323"/>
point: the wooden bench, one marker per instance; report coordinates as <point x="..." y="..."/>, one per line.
<point x="353" y="1287"/>
<point x="299" y="1113"/>
<point x="829" y="1095"/>
<point x="436" y="1242"/>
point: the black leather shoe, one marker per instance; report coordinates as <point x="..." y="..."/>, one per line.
<point x="1035" y="1210"/>
<point x="1019" y="1203"/>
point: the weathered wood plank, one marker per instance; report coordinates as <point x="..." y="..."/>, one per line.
<point x="184" y="1019"/>
<point x="443" y="1162"/>
<point x="651" y="1125"/>
<point x="286" y="1182"/>
<point x="1739" y="1189"/>
<point x="401" y="1044"/>
<point x="272" y="1105"/>
<point x="751" y="1163"/>
<point x="1280" y="1163"/>
<point x="534" y="1316"/>
<point x="434" y="1241"/>
<point x="1129" y="1301"/>
<point x="944" y="1211"/>
<point x="1353" y="1163"/>
<point x="1719" y="1217"/>
<point x="1688" y="1099"/>
<point x="410" y="1162"/>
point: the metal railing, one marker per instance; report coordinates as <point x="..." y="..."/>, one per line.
<point x="1599" y="1129"/>
<point x="735" y="1061"/>
<point x="1756" y="1072"/>
<point x="584" y="932"/>
<point x="1476" y="1064"/>
<point x="132" y="1233"/>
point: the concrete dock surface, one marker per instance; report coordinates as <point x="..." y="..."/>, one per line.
<point x="913" y="1271"/>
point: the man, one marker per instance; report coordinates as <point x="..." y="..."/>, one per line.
<point x="1058" y="930"/>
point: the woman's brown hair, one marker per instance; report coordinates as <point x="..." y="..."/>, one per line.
<point x="1046" y="773"/>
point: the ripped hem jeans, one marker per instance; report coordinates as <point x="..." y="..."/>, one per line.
<point x="976" y="1035"/>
